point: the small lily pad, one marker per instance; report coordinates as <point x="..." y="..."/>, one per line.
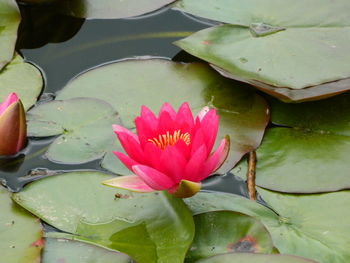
<point x="309" y="153"/>
<point x="300" y="226"/>
<point x="23" y="78"/>
<point x="243" y="114"/>
<point x="226" y="231"/>
<point x="154" y="227"/>
<point x="110" y="8"/>
<point x="20" y="232"/>
<point x="256" y="258"/>
<point x="9" y="21"/>
<point x="68" y="251"/>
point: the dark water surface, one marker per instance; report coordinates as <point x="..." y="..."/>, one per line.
<point x="63" y="47"/>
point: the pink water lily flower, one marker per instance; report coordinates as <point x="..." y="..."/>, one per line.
<point x="170" y="152"/>
<point x="12" y="125"/>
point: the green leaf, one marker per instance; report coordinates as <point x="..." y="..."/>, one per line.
<point x="68" y="251"/>
<point x="310" y="156"/>
<point x="9" y="21"/>
<point x="84" y="126"/>
<point x="22" y="78"/>
<point x="301" y="225"/>
<point x="20" y="233"/>
<point x="256" y="258"/>
<point x="110" y="8"/>
<point x="292" y="54"/>
<point x="225" y="231"/>
<point x="243" y="114"/>
<point x="151" y="227"/>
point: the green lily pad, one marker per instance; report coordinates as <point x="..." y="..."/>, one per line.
<point x="226" y="231"/>
<point x="23" y="78"/>
<point x="84" y="126"/>
<point x="9" y="21"/>
<point x="110" y="8"/>
<point x="20" y="233"/>
<point x="243" y="114"/>
<point x="311" y="155"/>
<point x="154" y="227"/>
<point x="301" y="225"/>
<point x="280" y="50"/>
<point x="68" y="251"/>
<point x="256" y="258"/>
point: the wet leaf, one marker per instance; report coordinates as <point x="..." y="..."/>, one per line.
<point x="68" y="251"/>
<point x="294" y="54"/>
<point x="20" y="233"/>
<point x="84" y="126"/>
<point x="151" y="227"/>
<point x="256" y="258"/>
<point x="243" y="114"/>
<point x="310" y="156"/>
<point x="9" y="21"/>
<point x="22" y="78"/>
<point x="311" y="226"/>
<point x="110" y="8"/>
<point x="225" y="231"/>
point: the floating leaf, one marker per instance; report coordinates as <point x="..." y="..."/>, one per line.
<point x="289" y="55"/>
<point x="67" y="251"/>
<point x="84" y="126"/>
<point x="243" y="114"/>
<point x="22" y="78"/>
<point x="20" y="233"/>
<point x="110" y="8"/>
<point x="309" y="157"/>
<point x="9" y="21"/>
<point x="225" y="231"/>
<point x="256" y="258"/>
<point x="301" y="225"/>
<point x="151" y="227"/>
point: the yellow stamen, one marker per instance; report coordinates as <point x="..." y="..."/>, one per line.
<point x="167" y="139"/>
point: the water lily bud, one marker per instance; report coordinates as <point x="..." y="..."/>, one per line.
<point x="171" y="152"/>
<point x="12" y="125"/>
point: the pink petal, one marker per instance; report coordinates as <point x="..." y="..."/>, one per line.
<point x="152" y="177"/>
<point x="153" y="154"/>
<point x="167" y="108"/>
<point x="194" y="166"/>
<point x="173" y="163"/>
<point x="210" y="124"/>
<point x="131" y="146"/>
<point x="120" y="129"/>
<point x="198" y="141"/>
<point x="166" y="123"/>
<point x="216" y="159"/>
<point x="11" y="98"/>
<point x="202" y="113"/>
<point x="183" y="148"/>
<point x="149" y="118"/>
<point x="144" y="131"/>
<point x="184" y="115"/>
<point x="126" y="160"/>
<point x="129" y="182"/>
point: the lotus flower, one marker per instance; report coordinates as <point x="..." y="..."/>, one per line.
<point x="171" y="152"/>
<point x="12" y="125"/>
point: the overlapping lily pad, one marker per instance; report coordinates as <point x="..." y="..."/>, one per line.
<point x="256" y="258"/>
<point x="67" y="251"/>
<point x="22" y="78"/>
<point x="110" y="8"/>
<point x="311" y="155"/>
<point x="310" y="226"/>
<point x="225" y="231"/>
<point x="9" y="21"/>
<point x="20" y="232"/>
<point x="84" y="126"/>
<point x="151" y="227"/>
<point x="129" y="84"/>
<point x="288" y="55"/>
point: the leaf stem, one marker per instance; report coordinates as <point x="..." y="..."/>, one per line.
<point x="251" y="175"/>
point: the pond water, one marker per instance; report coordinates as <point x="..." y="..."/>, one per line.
<point x="78" y="45"/>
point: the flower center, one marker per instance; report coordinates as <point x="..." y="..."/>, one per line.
<point x="167" y="139"/>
